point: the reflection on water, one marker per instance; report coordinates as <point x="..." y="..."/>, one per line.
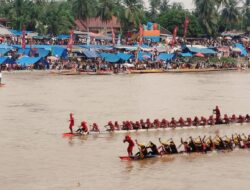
<point x="34" y="111"/>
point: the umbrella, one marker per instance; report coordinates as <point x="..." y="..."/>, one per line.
<point x="199" y="55"/>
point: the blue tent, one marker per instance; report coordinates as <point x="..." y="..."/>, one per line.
<point x="59" y="52"/>
<point x="243" y="50"/>
<point x="90" y="54"/>
<point x="165" y="56"/>
<point x="110" y="57"/>
<point x="4" y="51"/>
<point x="6" y="60"/>
<point x="102" y="47"/>
<point x="5" y="46"/>
<point x="62" y="37"/>
<point x="144" y="56"/>
<point x="186" y="54"/>
<point x="124" y="56"/>
<point x="43" y="52"/>
<point x="25" y="51"/>
<point x="25" y="61"/>
<point x="201" y="50"/>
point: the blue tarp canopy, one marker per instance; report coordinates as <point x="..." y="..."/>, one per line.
<point x="4" y="51"/>
<point x="144" y="56"/>
<point x="102" y="47"/>
<point x="201" y="50"/>
<point x="110" y="57"/>
<point x="187" y="54"/>
<point x="6" y="60"/>
<point x="58" y="51"/>
<point x="243" y="50"/>
<point x="124" y="56"/>
<point x="25" y="51"/>
<point x="62" y="37"/>
<point x="90" y="54"/>
<point x="42" y="52"/>
<point x="25" y="61"/>
<point x="165" y="56"/>
<point x="5" y="46"/>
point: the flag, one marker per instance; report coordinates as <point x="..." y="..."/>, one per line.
<point x="71" y="40"/>
<point x="141" y="35"/>
<point x="186" y="23"/>
<point x="174" y="35"/>
<point x="113" y="36"/>
<point x="23" y="38"/>
<point x="119" y="40"/>
<point x="88" y="40"/>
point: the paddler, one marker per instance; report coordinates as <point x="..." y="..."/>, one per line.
<point x="95" y="128"/>
<point x="216" y="111"/>
<point x="83" y="128"/>
<point x="142" y="123"/>
<point x="117" y="126"/>
<point x="71" y="122"/>
<point x="142" y="150"/>
<point x="173" y="123"/>
<point x="210" y="120"/>
<point x="189" y="122"/>
<point x="153" y="148"/>
<point x="149" y="125"/>
<point x="131" y="145"/>
<point x="233" y="119"/>
<point x="226" y="119"/>
<point x="187" y="148"/>
<point x="164" y="123"/>
<point x="241" y="119"/>
<point x="157" y="123"/>
<point x="181" y="122"/>
<point x="111" y="126"/>
<point x="196" y="121"/>
<point x="203" y="121"/>
<point x="173" y="147"/>
<point x="247" y="118"/>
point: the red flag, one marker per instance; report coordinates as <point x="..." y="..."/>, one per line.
<point x="113" y="36"/>
<point x="23" y="38"/>
<point x="186" y="23"/>
<point x="71" y="40"/>
<point x="141" y="35"/>
<point x="174" y="35"/>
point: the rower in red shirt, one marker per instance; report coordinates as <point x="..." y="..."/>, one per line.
<point x="131" y="145"/>
<point x="203" y="121"/>
<point x="148" y="124"/>
<point x="137" y="125"/>
<point x="111" y="126"/>
<point x="226" y="119"/>
<point x="211" y="120"/>
<point x="247" y="118"/>
<point x="164" y="123"/>
<point x="117" y="126"/>
<point x="181" y="122"/>
<point x="189" y="122"/>
<point x="196" y="121"/>
<point x="157" y="123"/>
<point x="241" y="119"/>
<point x="71" y="122"/>
<point x="233" y="119"/>
<point x="84" y="127"/>
<point x="142" y="123"/>
<point x="95" y="128"/>
<point x="173" y="122"/>
<point x="217" y="115"/>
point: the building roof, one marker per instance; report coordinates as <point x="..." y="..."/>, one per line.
<point x="83" y="25"/>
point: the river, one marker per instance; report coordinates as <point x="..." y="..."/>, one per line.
<point x="34" y="112"/>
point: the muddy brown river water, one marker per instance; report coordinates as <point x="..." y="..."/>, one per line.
<point x="34" y="111"/>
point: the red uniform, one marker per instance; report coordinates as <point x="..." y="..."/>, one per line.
<point x="181" y="122"/>
<point x="95" y="128"/>
<point x="117" y="126"/>
<point x="189" y="122"/>
<point x="157" y="123"/>
<point x="111" y="126"/>
<point x="217" y="115"/>
<point x="71" y="122"/>
<point x="164" y="123"/>
<point x="84" y="127"/>
<point x="173" y="122"/>
<point x="131" y="145"/>
<point x="226" y="119"/>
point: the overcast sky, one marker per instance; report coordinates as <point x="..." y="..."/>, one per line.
<point x="187" y="3"/>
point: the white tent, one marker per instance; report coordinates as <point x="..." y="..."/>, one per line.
<point x="4" y="31"/>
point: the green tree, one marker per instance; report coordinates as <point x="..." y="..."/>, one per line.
<point x="231" y="14"/>
<point x="154" y="7"/>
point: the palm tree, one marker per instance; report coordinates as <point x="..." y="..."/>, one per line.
<point x="133" y="12"/>
<point x="207" y="12"/>
<point x="231" y="13"/>
<point x="154" y="6"/>
<point x="164" y="5"/>
<point x="83" y="9"/>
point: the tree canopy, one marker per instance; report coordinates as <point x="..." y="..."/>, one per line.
<point x="54" y="17"/>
